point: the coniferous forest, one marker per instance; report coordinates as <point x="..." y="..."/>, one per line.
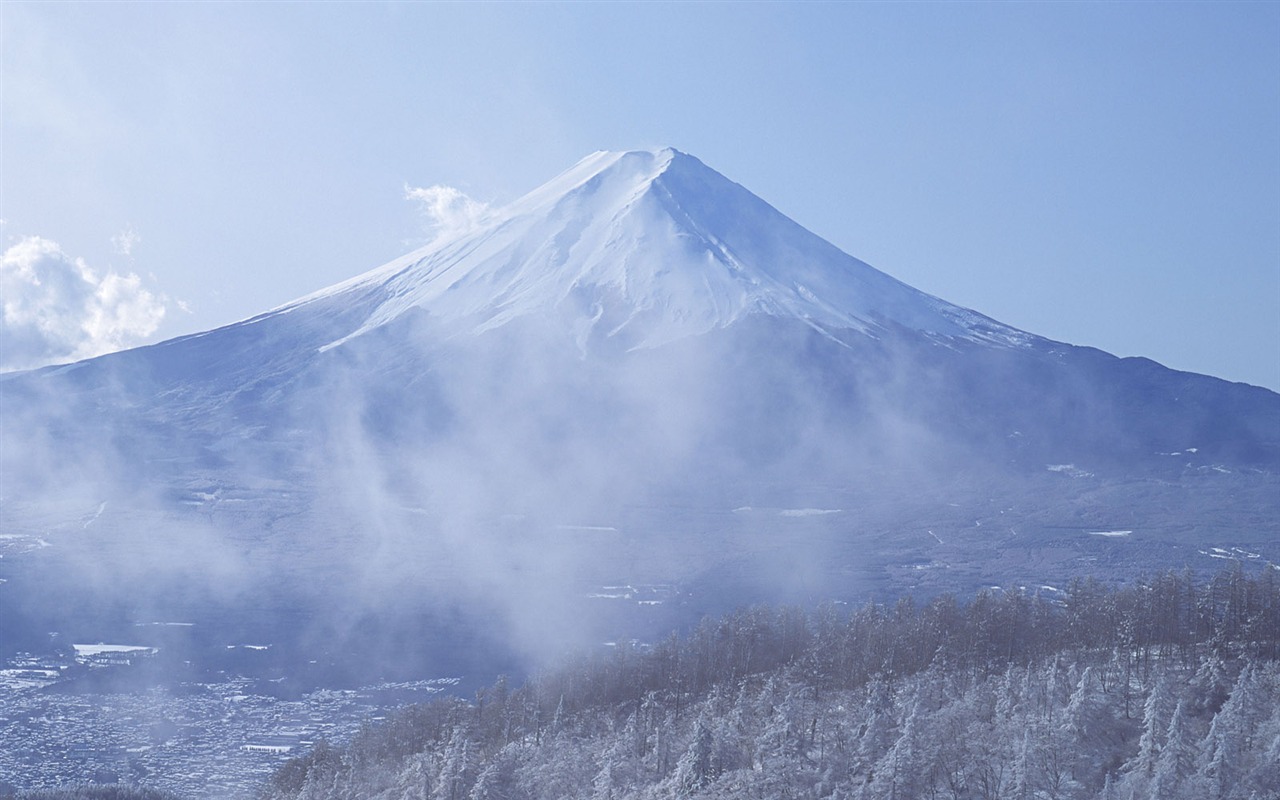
<point x="1163" y="689"/>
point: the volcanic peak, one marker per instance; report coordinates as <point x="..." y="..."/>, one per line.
<point x="646" y="247"/>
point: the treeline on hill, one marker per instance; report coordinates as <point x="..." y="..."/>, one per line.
<point x="1163" y="689"/>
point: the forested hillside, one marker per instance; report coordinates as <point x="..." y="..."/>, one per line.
<point x="1162" y="689"/>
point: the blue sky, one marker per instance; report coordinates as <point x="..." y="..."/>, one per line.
<point x="1105" y="174"/>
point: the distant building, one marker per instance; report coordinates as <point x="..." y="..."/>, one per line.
<point x="276" y="745"/>
<point x="111" y="655"/>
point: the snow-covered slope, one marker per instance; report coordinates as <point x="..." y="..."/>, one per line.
<point x="647" y="247"/>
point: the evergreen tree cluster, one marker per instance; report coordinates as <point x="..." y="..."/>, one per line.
<point x="1162" y="690"/>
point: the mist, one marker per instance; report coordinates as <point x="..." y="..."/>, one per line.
<point x="497" y="482"/>
<point x="538" y="488"/>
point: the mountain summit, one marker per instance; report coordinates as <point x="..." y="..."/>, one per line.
<point x="647" y="247"/>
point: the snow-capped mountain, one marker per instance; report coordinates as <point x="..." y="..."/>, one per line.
<point x="647" y="246"/>
<point x="638" y="388"/>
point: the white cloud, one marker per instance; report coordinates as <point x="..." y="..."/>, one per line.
<point x="55" y="308"/>
<point x="125" y="241"/>
<point x="448" y="211"/>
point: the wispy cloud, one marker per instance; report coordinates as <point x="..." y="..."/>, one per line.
<point x="124" y="241"/>
<point x="55" y="308"/>
<point x="447" y="210"/>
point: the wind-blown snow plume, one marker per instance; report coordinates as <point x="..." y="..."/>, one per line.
<point x="58" y="309"/>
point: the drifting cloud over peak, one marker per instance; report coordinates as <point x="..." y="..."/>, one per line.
<point x="447" y="210"/>
<point x="55" y="308"/>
